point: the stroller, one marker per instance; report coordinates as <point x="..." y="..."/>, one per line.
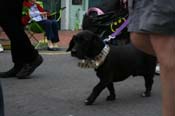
<point x="104" y="21"/>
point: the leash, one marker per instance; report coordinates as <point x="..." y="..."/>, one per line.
<point x="117" y="32"/>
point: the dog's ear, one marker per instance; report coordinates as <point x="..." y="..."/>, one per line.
<point x="96" y="45"/>
<point x="71" y="44"/>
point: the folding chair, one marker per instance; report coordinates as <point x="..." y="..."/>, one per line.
<point x="33" y="28"/>
<point x="59" y="13"/>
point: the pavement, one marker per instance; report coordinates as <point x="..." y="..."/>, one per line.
<point x="58" y="87"/>
<point x="64" y="35"/>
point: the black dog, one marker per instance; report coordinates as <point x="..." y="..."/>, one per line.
<point x="117" y="63"/>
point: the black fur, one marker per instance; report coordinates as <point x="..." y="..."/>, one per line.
<point x="121" y="62"/>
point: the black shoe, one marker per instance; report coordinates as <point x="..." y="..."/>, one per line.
<point x="50" y="49"/>
<point x="56" y="49"/>
<point x="29" y="68"/>
<point x="12" y="72"/>
<point x="53" y="49"/>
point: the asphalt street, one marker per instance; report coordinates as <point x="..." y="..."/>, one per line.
<point x="58" y="88"/>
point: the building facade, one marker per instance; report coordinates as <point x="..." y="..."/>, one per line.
<point x="72" y="16"/>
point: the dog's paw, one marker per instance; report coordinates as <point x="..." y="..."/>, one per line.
<point x="88" y="102"/>
<point x="111" y="98"/>
<point x="146" y="94"/>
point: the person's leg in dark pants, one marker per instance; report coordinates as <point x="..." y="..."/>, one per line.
<point x="47" y="25"/>
<point x="1" y="102"/>
<point x="55" y="31"/>
<point x="55" y="39"/>
<point x="23" y="53"/>
<point x="51" y="28"/>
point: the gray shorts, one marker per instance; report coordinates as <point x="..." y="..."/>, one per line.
<point x="153" y="16"/>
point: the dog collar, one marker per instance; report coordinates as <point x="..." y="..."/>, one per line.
<point x="98" y="60"/>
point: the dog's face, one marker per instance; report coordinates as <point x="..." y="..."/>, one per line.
<point x="85" y="45"/>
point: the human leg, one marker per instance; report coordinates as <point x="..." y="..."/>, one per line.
<point x="23" y="54"/>
<point x="164" y="47"/>
<point x="55" y="31"/>
<point x="1" y="48"/>
<point x="157" y="19"/>
<point x="55" y="39"/>
<point x="51" y="28"/>
<point x="47" y="25"/>
<point x="21" y="49"/>
<point x="142" y="42"/>
<point x="50" y="44"/>
<point x="1" y="102"/>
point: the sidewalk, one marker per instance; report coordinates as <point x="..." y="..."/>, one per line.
<point x="65" y="37"/>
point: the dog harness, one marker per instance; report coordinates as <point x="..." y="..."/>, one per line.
<point x="97" y="61"/>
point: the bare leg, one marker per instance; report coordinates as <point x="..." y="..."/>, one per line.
<point x="55" y="45"/>
<point x="142" y="42"/>
<point x="50" y="44"/>
<point x="164" y="47"/>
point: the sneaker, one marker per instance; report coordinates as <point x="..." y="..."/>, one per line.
<point x="50" y="49"/>
<point x="1" y="48"/>
<point x="12" y="72"/>
<point x="53" y="49"/>
<point x="29" y="68"/>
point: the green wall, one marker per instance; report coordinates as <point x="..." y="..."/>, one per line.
<point x="76" y="14"/>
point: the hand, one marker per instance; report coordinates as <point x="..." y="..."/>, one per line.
<point x="44" y="15"/>
<point x="124" y="3"/>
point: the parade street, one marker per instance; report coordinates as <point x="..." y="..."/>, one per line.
<point x="59" y="87"/>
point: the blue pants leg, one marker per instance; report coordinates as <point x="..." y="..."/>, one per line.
<point x="55" y="31"/>
<point x="51" y="28"/>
